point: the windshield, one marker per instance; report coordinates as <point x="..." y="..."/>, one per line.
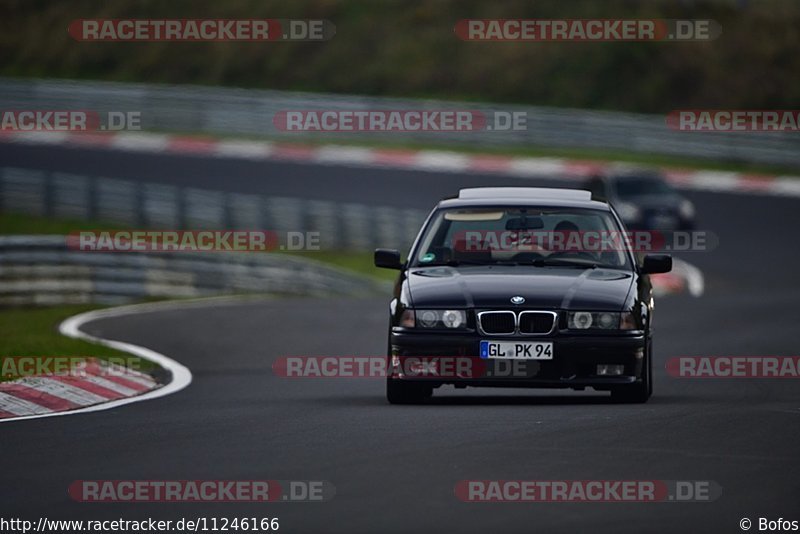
<point x="533" y="236"/>
<point x="634" y="187"/>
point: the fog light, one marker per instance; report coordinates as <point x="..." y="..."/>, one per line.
<point x="610" y="370"/>
<point x="420" y="367"/>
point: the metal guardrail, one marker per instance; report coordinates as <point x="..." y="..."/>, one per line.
<point x="341" y="226"/>
<point x="228" y="111"/>
<point x="42" y="270"/>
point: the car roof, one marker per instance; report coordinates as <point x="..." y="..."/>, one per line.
<point x="523" y="196"/>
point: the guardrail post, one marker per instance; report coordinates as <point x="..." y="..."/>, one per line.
<point x="227" y="211"/>
<point x="141" y="213"/>
<point x="91" y="193"/>
<point x="49" y="194"/>
<point x="180" y="208"/>
<point x="265" y="217"/>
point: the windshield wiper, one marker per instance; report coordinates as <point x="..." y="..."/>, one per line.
<point x="565" y="262"/>
<point x="456" y="263"/>
<point x="541" y="262"/>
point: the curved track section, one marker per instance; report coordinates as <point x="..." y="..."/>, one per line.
<point x="395" y="467"/>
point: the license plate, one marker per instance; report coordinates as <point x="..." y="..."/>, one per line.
<point x="517" y="350"/>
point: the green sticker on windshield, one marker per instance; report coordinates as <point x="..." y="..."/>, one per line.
<point x="430" y="256"/>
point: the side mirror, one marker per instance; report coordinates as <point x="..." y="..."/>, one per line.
<point x="657" y="263"/>
<point x="387" y="258"/>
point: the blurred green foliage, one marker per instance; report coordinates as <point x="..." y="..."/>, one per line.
<point x="408" y="48"/>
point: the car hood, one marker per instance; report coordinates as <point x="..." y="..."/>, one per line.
<point x="542" y="287"/>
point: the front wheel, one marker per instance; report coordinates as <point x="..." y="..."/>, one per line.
<point x="641" y="391"/>
<point x="401" y="392"/>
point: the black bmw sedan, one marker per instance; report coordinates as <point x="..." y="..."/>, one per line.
<point x="521" y="287"/>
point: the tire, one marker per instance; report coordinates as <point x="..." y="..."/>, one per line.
<point x="640" y="392"/>
<point x="400" y="392"/>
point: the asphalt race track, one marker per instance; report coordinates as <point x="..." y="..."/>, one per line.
<point x="395" y="467"/>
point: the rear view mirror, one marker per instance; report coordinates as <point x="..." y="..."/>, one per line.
<point x="524" y="223"/>
<point x="657" y="263"/>
<point x="387" y="258"/>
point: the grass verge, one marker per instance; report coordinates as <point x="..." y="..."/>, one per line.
<point x="23" y="224"/>
<point x="34" y="332"/>
<point x="359" y="262"/>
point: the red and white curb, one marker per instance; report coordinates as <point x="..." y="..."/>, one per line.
<point x="425" y="160"/>
<point x="97" y="382"/>
<point x="97" y="389"/>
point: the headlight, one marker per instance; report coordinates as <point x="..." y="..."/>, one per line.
<point x="686" y="209"/>
<point x="628" y="212"/>
<point x="601" y="321"/>
<point x="427" y="318"/>
<point x="453" y="318"/>
<point x="580" y="320"/>
<point x="607" y="320"/>
<point x="434" y="319"/>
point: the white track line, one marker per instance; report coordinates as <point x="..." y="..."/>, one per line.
<point x="243" y="149"/>
<point x="140" y="142"/>
<point x="181" y="376"/>
<point x="694" y="278"/>
<point x="441" y="161"/>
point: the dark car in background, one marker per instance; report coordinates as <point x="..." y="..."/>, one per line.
<point x="644" y="200"/>
<point x="566" y="318"/>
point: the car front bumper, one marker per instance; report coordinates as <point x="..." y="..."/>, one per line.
<point x="429" y="358"/>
